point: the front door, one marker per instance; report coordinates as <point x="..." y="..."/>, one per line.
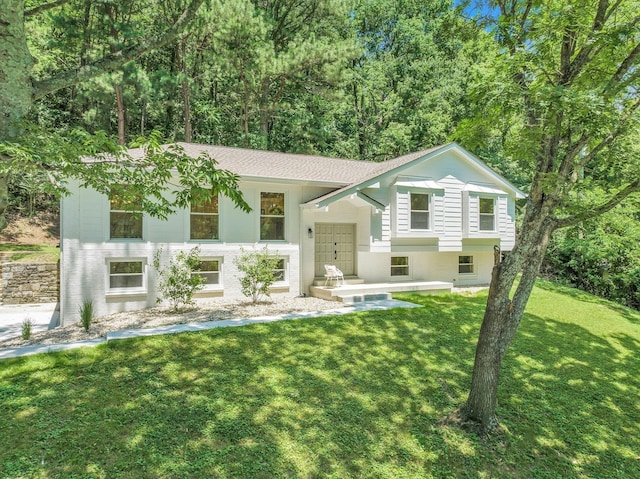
<point x="335" y="244"/>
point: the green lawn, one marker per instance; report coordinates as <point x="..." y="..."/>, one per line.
<point x="353" y="396"/>
<point x="31" y="253"/>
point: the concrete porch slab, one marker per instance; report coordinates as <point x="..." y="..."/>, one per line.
<point x="346" y="292"/>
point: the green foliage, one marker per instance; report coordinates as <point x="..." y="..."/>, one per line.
<point x="407" y="89"/>
<point x="86" y="314"/>
<point x="367" y="80"/>
<point x="354" y="396"/>
<point x="31" y="192"/>
<point x="147" y="176"/>
<point x="259" y="272"/>
<point x="555" y="105"/>
<point x="27" y="324"/>
<point x="178" y="280"/>
<point x="601" y="256"/>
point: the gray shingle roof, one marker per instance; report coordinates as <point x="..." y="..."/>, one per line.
<point x="290" y="166"/>
<point x="284" y="166"/>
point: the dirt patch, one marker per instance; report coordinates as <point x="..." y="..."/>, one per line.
<point x="42" y="229"/>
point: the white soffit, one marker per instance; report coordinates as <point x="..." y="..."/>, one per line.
<point x="418" y="183"/>
<point x="483" y="189"/>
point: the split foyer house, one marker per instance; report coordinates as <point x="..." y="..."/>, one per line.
<point x="425" y="220"/>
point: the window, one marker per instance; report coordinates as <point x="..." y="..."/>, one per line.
<point x="204" y="220"/>
<point x="487" y="215"/>
<point x="126" y="274"/>
<point x="209" y="271"/>
<point x="272" y="216"/>
<point x="399" y="266"/>
<point x="125" y="216"/>
<point x="279" y="270"/>
<point x="465" y="264"/>
<point x="419" y="211"/>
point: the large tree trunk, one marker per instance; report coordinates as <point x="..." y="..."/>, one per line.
<point x="503" y="314"/>
<point x="122" y="120"/>
<point x="15" y="86"/>
<point x="181" y="53"/>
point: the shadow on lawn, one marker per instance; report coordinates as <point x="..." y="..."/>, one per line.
<point x="354" y="396"/>
<point x="584" y="297"/>
<point x="571" y="398"/>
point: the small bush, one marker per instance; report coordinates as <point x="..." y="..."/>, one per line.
<point x="27" y="324"/>
<point x="86" y="314"/>
<point x="259" y="268"/>
<point x="179" y="280"/>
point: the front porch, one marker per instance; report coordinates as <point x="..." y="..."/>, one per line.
<point x="355" y="289"/>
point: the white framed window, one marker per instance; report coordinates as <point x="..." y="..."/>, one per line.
<point x="465" y="265"/>
<point x="125" y="215"/>
<point x="399" y="266"/>
<point x="126" y="274"/>
<point x="209" y="270"/>
<point x="280" y="271"/>
<point x="204" y="220"/>
<point x="487" y="214"/>
<point x="419" y="211"/>
<point x="272" y="216"/>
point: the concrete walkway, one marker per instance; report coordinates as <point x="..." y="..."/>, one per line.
<point x="43" y="316"/>
<point x="202" y="326"/>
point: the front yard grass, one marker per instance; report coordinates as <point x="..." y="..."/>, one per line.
<point x="30" y="253"/>
<point x="353" y="396"/>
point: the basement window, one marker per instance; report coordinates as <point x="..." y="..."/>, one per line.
<point x="399" y="266"/>
<point x="465" y="265"/>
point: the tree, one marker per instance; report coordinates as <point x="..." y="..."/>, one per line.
<point x="407" y="89"/>
<point x="27" y="149"/>
<point x="270" y="54"/>
<point x="563" y="96"/>
<point x="602" y="255"/>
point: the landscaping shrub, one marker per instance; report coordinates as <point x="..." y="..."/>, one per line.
<point x="86" y="314"/>
<point x="259" y="268"/>
<point x="179" y="280"/>
<point x="27" y="324"/>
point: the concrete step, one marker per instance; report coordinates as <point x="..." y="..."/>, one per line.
<point x="347" y="280"/>
<point x="359" y="298"/>
<point x="422" y="287"/>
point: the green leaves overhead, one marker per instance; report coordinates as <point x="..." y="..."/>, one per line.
<point x="160" y="179"/>
<point x="561" y="97"/>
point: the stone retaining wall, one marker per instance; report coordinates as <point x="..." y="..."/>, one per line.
<point x="30" y="283"/>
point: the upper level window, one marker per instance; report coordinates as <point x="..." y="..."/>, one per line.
<point x="271" y="216"/>
<point x="487" y="214"/>
<point x="125" y="215"/>
<point x="204" y="220"/>
<point x="419" y="211"/>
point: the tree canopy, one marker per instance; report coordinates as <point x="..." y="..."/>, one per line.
<point x="560" y="98"/>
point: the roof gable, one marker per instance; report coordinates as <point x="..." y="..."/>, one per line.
<point x="397" y="165"/>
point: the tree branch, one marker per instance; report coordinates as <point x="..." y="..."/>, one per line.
<point x="592" y="47"/>
<point x="622" y="124"/>
<point x="573" y="150"/>
<point x="44" y="7"/>
<point x="626" y="65"/>
<point x="115" y="60"/>
<point x="614" y="201"/>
